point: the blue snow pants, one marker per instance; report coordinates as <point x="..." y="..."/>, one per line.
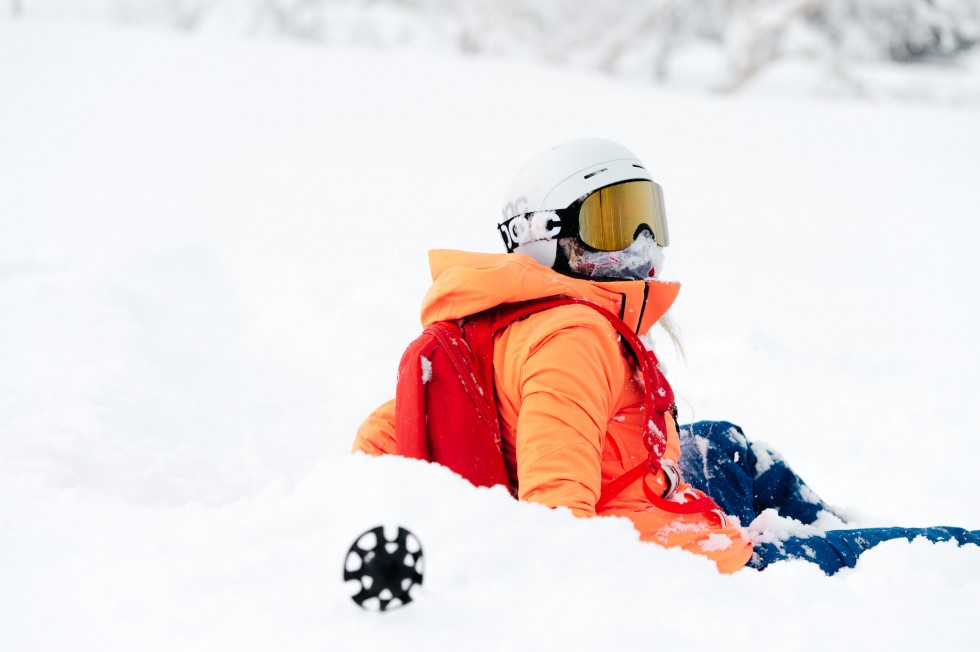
<point x="746" y="479"/>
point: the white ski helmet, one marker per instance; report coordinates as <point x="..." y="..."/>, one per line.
<point x="555" y="196"/>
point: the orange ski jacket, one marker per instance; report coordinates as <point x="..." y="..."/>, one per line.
<point x="568" y="396"/>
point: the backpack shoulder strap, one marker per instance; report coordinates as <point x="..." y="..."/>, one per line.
<point x="480" y="329"/>
<point x="485" y="325"/>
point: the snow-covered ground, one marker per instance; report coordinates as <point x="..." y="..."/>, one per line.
<point x="212" y="255"/>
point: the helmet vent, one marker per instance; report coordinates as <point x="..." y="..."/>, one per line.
<point x="639" y="166"/>
<point x="592" y="174"/>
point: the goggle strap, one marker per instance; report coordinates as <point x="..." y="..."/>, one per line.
<point x="550" y="225"/>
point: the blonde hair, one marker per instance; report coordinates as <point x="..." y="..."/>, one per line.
<point x="670" y="327"/>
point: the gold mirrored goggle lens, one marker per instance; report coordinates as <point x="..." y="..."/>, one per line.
<point x="611" y="218"/>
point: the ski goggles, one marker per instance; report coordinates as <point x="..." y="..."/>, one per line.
<point x="607" y="219"/>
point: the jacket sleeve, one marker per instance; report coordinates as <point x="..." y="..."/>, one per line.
<point x="570" y="385"/>
<point x="376" y="436"/>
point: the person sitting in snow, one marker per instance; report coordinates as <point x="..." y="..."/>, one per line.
<point x="586" y="220"/>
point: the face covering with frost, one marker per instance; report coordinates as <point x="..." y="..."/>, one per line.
<point x="642" y="260"/>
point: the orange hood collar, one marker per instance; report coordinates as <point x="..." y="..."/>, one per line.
<point x="465" y="283"/>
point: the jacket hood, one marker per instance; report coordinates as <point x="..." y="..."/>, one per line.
<point x="465" y="283"/>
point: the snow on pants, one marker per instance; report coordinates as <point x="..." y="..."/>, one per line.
<point x="745" y="479"/>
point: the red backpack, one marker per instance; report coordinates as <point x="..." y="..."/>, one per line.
<point x="445" y="410"/>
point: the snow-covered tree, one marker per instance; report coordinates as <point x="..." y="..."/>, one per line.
<point x="641" y="38"/>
